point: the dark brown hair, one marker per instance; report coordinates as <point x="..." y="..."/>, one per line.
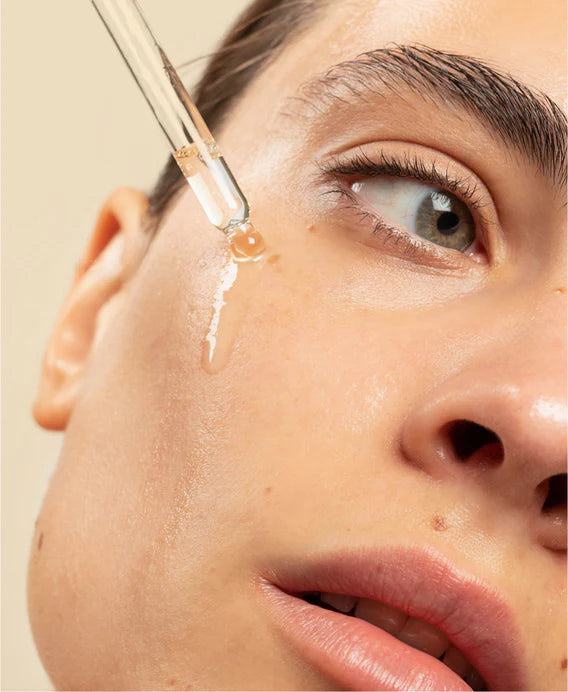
<point x="256" y="38"/>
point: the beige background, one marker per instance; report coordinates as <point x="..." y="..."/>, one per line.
<point x="64" y="89"/>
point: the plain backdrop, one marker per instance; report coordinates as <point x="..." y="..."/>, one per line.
<point x="65" y="93"/>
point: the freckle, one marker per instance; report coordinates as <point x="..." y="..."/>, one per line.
<point x="268" y="490"/>
<point x="171" y="682"/>
<point x="40" y="541"/>
<point x="273" y="259"/>
<point x="562" y="289"/>
<point x="348" y="530"/>
<point x="439" y="523"/>
<point x="564" y="663"/>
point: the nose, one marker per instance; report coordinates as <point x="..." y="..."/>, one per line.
<point x="499" y="422"/>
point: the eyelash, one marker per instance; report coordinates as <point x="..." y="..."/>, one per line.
<point x="400" y="167"/>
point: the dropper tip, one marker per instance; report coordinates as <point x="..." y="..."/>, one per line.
<point x="247" y="244"/>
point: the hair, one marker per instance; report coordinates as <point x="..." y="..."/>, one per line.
<point x="258" y="35"/>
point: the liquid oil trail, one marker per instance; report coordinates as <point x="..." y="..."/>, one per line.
<point x="239" y="277"/>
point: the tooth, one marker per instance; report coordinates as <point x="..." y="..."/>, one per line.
<point x="423" y="636"/>
<point x="474" y="680"/>
<point x="455" y="660"/>
<point x="339" y="601"/>
<point x="381" y="615"/>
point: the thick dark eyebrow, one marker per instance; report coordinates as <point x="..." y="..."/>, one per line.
<point x="525" y="119"/>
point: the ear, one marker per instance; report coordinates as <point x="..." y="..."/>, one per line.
<point x="116" y="248"/>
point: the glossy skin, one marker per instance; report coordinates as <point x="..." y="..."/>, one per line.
<point x="176" y="489"/>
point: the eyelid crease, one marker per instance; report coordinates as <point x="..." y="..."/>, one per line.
<point x="526" y="119"/>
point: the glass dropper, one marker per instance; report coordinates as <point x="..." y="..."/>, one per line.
<point x="191" y="143"/>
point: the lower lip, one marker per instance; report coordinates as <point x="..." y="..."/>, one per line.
<point x="354" y="653"/>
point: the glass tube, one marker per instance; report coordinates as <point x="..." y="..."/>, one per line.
<point x="192" y="144"/>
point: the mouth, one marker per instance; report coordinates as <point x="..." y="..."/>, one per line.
<point x="416" y="633"/>
<point x="396" y="619"/>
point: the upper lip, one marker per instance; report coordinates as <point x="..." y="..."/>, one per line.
<point x="423" y="583"/>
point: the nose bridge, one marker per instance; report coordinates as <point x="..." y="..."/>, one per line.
<point x="532" y="360"/>
<point x="528" y="410"/>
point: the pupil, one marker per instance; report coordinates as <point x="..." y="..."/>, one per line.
<point x="448" y="222"/>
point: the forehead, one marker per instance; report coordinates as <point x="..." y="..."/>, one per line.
<point x="516" y="36"/>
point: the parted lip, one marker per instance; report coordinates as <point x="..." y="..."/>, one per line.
<point x="423" y="583"/>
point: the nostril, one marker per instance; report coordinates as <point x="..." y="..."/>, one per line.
<point x="556" y="495"/>
<point x="468" y="437"/>
<point x="552" y="521"/>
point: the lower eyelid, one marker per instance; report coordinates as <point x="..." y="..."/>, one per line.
<point x="416" y="247"/>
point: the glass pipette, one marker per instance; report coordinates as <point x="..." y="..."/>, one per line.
<point x="192" y="145"/>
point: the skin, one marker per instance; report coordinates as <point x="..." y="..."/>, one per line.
<point x="176" y="488"/>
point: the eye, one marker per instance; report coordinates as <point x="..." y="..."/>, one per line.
<point x="416" y="208"/>
<point x="435" y="215"/>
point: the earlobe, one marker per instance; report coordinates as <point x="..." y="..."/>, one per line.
<point x="116" y="248"/>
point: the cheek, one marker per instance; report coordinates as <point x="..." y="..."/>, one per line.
<point x="160" y="454"/>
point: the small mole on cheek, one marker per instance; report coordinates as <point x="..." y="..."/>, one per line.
<point x="310" y="227"/>
<point x="439" y="523"/>
<point x="171" y="682"/>
<point x="273" y="259"/>
<point x="268" y="490"/>
<point x="562" y="289"/>
<point x="40" y="541"/>
<point x="564" y="663"/>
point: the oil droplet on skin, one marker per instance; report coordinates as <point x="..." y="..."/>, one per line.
<point x="238" y="283"/>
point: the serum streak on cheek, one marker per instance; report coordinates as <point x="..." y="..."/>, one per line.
<point x="239" y="277"/>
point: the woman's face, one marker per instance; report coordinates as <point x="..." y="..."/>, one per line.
<point x="389" y="417"/>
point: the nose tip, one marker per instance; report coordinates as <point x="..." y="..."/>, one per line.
<point x="509" y="440"/>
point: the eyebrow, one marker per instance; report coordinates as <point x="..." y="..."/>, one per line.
<point x="525" y="119"/>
